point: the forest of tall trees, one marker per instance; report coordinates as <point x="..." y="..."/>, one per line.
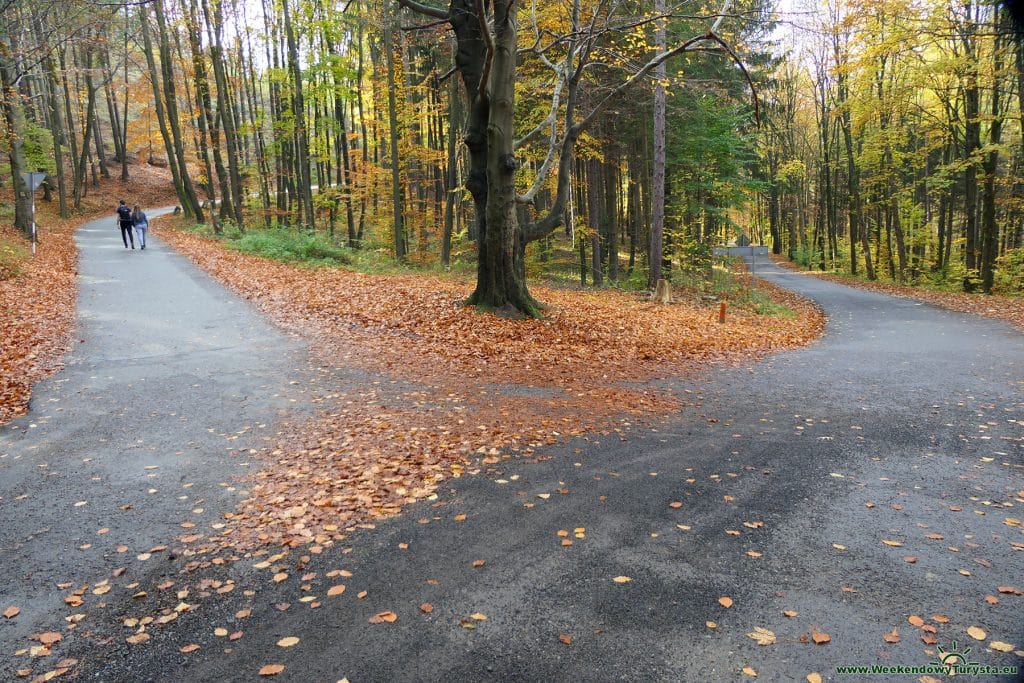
<point x="875" y="137"/>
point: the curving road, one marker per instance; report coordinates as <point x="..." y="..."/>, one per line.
<point x="904" y="424"/>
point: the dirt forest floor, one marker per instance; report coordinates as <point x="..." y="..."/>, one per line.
<point x="1008" y="308"/>
<point x="479" y="388"/>
<point x="37" y="294"/>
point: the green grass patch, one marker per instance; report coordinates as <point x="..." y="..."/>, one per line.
<point x="293" y="246"/>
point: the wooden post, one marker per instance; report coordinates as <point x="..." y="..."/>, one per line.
<point x="722" y="305"/>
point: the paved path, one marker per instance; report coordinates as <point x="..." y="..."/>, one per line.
<point x="911" y="410"/>
<point x="130" y="435"/>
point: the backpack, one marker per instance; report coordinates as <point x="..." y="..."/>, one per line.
<point x="124" y="213"/>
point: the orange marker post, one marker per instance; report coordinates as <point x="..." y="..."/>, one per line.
<point x="722" y="305"/>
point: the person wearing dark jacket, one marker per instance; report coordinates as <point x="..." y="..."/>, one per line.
<point x="124" y="221"/>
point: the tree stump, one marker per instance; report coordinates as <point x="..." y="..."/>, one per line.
<point x="662" y="292"/>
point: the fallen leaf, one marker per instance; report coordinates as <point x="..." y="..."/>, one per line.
<point x="622" y="579"/>
<point x="1000" y="646"/>
<point x="892" y="636"/>
<point x="991" y="599"/>
<point x="288" y="641"/>
<point x="675" y="504"/>
<point x="565" y="638"/>
<point x="750" y="671"/>
<point x="220" y="631"/>
<point x="271" y="669"/>
<point x="753" y="553"/>
<point x="915" y="620"/>
<point x="710" y="624"/>
<point x="12" y="612"/>
<point x="426" y="608"/>
<point x="191" y="647"/>
<point x="790" y="613"/>
<point x="49" y="638"/>
<point x="837" y="546"/>
<point x="894" y="544"/>
<point x="976" y="633"/>
<point x="762" y="635"/>
<point x="725" y="601"/>
<point x="478" y="563"/>
<point x="280" y="576"/>
<point x="814" y="677"/>
<point x="336" y="590"/>
<point x="477" y="616"/>
<point x="137" y="638"/>
<point x="819" y="637"/>
<point x="383" y="617"/>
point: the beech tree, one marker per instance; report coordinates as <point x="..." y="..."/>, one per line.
<point x="487" y="52"/>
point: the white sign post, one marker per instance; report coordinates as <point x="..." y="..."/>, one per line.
<point x="34" y="179"/>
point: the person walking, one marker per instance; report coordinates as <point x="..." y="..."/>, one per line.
<point x="141" y="223"/>
<point x="124" y="221"/>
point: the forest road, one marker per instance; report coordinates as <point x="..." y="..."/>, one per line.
<point x="825" y="495"/>
<point x="170" y="380"/>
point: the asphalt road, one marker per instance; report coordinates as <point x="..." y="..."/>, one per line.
<point x="139" y="429"/>
<point x="905" y="424"/>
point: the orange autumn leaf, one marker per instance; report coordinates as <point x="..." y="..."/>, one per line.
<point x="271" y="669"/>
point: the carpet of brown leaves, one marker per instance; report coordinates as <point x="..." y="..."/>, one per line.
<point x="483" y="387"/>
<point x="1000" y="307"/>
<point x="37" y="305"/>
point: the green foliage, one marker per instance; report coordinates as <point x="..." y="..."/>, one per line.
<point x="38" y="146"/>
<point x="1010" y="273"/>
<point x="12" y="257"/>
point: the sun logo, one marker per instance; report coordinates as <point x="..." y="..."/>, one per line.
<point x="953" y="658"/>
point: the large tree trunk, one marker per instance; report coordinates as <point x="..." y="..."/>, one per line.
<point x="972" y="141"/>
<point x="14" y="118"/>
<point x="397" y="194"/>
<point x="658" y="178"/>
<point x="190" y="202"/>
<point x="452" y="175"/>
<point x="501" y="272"/>
<point x="989" y="228"/>
<point x="301" y="135"/>
<point x="158" y="103"/>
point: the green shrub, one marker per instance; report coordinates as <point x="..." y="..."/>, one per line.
<point x="1010" y="272"/>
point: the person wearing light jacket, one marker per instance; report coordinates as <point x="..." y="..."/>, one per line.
<point x="141" y="223"/>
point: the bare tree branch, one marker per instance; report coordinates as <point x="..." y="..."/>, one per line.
<point x="489" y="41"/>
<point x="415" y="6"/>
